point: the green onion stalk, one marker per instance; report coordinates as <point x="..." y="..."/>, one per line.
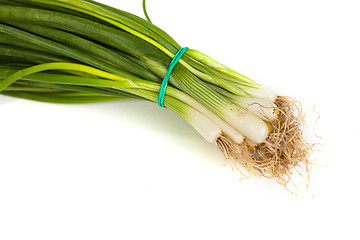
<point x="82" y="51"/>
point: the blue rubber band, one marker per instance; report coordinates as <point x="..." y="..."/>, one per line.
<point x="164" y="84"/>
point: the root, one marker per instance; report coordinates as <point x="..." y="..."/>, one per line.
<point x="283" y="151"/>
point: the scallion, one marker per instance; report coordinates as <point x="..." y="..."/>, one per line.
<point x="81" y="51"/>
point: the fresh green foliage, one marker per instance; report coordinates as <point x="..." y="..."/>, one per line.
<point x="79" y="51"/>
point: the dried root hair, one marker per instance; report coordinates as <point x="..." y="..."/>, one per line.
<point x="284" y="150"/>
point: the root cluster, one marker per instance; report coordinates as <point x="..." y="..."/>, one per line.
<point x="284" y="150"/>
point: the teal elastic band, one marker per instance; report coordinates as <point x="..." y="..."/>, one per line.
<point x="164" y="84"/>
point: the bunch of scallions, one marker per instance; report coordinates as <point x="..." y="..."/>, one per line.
<point x="82" y="51"/>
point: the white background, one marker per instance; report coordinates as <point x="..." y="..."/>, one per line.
<point x="131" y="170"/>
